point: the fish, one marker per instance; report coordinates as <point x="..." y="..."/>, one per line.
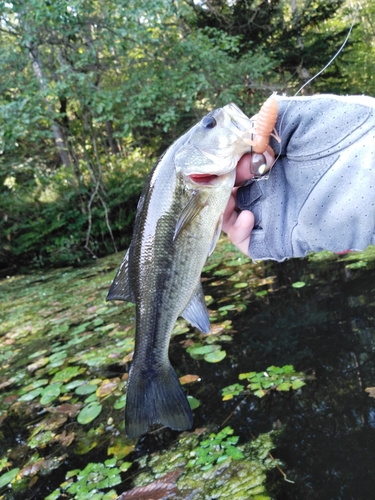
<point x="177" y="225"/>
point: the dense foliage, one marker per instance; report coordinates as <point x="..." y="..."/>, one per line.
<point x="91" y="92"/>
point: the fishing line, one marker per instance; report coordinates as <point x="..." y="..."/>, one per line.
<point x="333" y="58"/>
<point x="266" y="176"/>
<point x="321" y="71"/>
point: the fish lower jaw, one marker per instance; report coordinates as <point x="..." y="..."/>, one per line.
<point x="203" y="179"/>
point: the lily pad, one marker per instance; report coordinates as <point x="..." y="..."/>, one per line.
<point x="84" y="390"/>
<point x="120" y="403"/>
<point x="50" y="393"/>
<point x="241" y="285"/>
<point x="215" y="357"/>
<point x="29" y="396"/>
<point x="89" y="413"/>
<point x="193" y="402"/>
<point x="202" y="350"/>
<point x="298" y="284"/>
<point x="67" y="374"/>
<point x="227" y="307"/>
<point x="34" y="385"/>
<point x="91" y="398"/>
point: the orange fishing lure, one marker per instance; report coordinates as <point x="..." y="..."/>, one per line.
<point x="264" y="126"/>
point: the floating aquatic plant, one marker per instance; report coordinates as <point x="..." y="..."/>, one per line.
<point x="88" y="483"/>
<point x="64" y="358"/>
<point x="215" y="449"/>
<point x="261" y="383"/>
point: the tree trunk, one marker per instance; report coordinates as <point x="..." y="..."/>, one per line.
<point x="56" y="130"/>
<point x="111" y="140"/>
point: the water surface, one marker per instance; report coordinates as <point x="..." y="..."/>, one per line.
<point x="64" y="350"/>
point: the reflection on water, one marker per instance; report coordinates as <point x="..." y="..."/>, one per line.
<point x="327" y="330"/>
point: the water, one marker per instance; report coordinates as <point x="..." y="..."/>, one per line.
<point x="58" y="329"/>
<point x="327" y="330"/>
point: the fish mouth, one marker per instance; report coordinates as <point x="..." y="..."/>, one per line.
<point x="203" y="179"/>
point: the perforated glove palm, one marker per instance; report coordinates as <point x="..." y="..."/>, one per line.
<point x="320" y="194"/>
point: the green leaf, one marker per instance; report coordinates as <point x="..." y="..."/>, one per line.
<point x="66" y="374"/>
<point x="288" y="369"/>
<point x="125" y="466"/>
<point x="284" y="386"/>
<point x="29" y="396"/>
<point x="248" y="375"/>
<point x="8" y="477"/>
<point x="72" y="385"/>
<point x="275" y="369"/>
<point x="231" y="390"/>
<point x="215" y="357"/>
<point x="297" y="384"/>
<point x="86" y="389"/>
<point x="54" y="495"/>
<point x="241" y="285"/>
<point x="89" y="413"/>
<point x="229" y="307"/>
<point x="120" y="403"/>
<point x="259" y="393"/>
<point x="357" y="265"/>
<point x="34" y="385"/>
<point x="194" y="403"/>
<point x="50" y="393"/>
<point x="72" y="473"/>
<point x="298" y="284"/>
<point x="234" y="452"/>
<point x="200" y="351"/>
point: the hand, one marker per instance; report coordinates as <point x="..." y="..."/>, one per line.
<point x="238" y="226"/>
<point x="314" y="199"/>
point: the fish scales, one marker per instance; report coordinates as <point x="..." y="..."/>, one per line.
<point x="177" y="225"/>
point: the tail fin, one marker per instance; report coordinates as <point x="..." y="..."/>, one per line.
<point x="155" y="396"/>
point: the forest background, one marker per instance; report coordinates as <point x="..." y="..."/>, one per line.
<point x="93" y="91"/>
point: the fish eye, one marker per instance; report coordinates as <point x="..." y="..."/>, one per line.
<point x="209" y="122"/>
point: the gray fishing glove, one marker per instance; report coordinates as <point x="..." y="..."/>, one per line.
<point x="320" y="194"/>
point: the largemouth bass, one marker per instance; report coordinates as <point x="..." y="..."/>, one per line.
<point x="177" y="225"/>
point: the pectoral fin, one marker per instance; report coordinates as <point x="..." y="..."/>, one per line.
<point x="196" y="311"/>
<point x="189" y="212"/>
<point x="120" y="288"/>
